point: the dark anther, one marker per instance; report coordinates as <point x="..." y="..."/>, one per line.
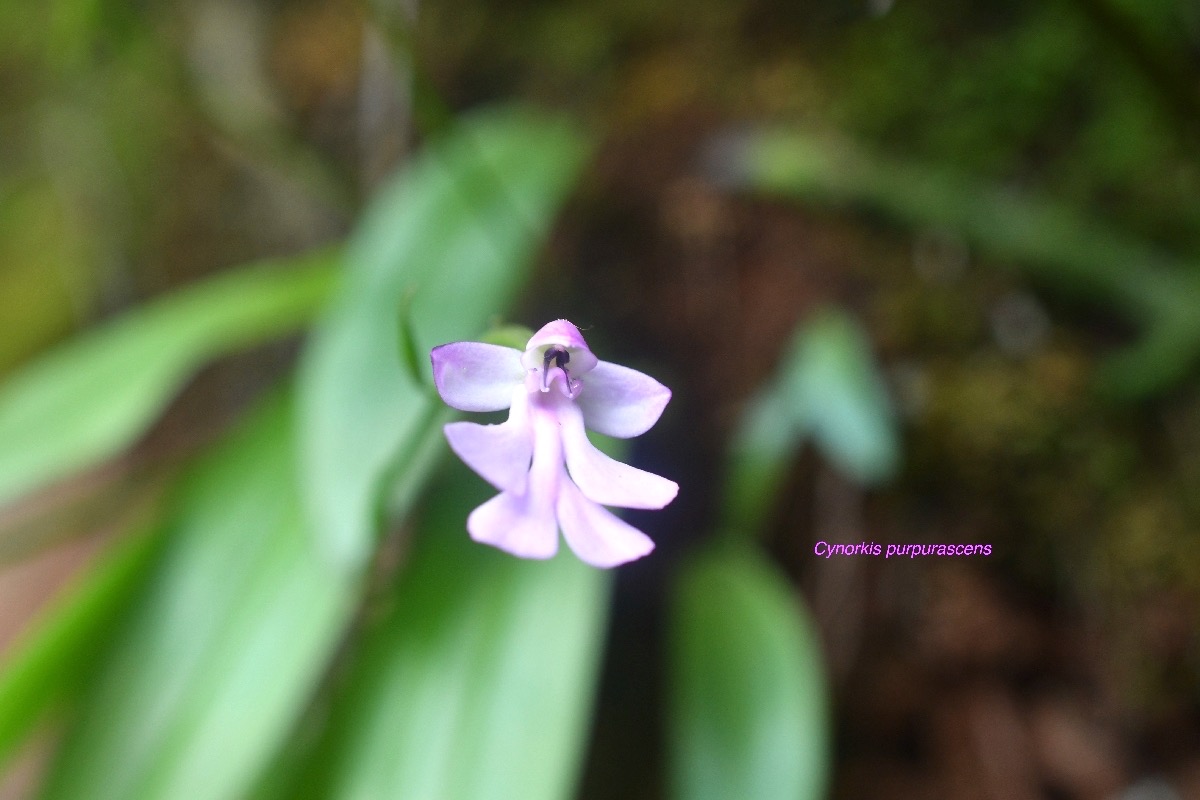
<point x="559" y="356"/>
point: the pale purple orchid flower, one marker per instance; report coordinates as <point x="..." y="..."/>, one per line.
<point x="548" y="473"/>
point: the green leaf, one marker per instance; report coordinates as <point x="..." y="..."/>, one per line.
<point x="844" y="404"/>
<point x="94" y="395"/>
<point x="763" y="445"/>
<point x="748" y="716"/>
<point x="447" y="245"/>
<point x="223" y="650"/>
<point x="478" y="683"/>
<point x="827" y="386"/>
<point x="57" y="650"/>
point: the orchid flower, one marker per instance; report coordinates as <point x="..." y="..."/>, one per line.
<point x="549" y="474"/>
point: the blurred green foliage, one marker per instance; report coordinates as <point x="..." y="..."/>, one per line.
<point x="211" y="667"/>
<point x="207" y="672"/>
<point x="89" y="399"/>
<point x="1051" y="241"/>
<point x="305" y="615"/>
<point x="748" y="711"/>
<point x="224" y="643"/>
<point x="45" y="666"/>
<point x="827" y="389"/>
<point x="229" y="627"/>
<point x="476" y="681"/>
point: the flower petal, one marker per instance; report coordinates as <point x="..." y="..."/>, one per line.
<point x="510" y="522"/>
<point x="475" y="376"/>
<point x="596" y="536"/>
<point x="605" y="480"/>
<point x="622" y="402"/>
<point x="499" y="453"/>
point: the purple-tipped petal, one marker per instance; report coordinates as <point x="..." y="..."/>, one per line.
<point x="604" y="480"/>
<point x="474" y="376"/>
<point x="513" y="524"/>
<point x="622" y="402"/>
<point x="594" y="534"/>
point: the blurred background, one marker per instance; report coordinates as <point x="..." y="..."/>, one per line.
<point x="916" y="272"/>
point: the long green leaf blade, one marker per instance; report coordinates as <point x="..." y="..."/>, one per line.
<point x="92" y="396"/>
<point x="748" y="713"/>
<point x="223" y="651"/>
<point x="441" y="252"/>
<point x="478" y="685"/>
